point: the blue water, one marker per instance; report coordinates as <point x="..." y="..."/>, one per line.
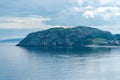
<point x="35" y="63"/>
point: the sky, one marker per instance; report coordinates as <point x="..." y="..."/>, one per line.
<point x="43" y="14"/>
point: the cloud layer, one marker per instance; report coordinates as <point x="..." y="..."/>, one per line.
<point x="17" y="13"/>
<point x="23" y="22"/>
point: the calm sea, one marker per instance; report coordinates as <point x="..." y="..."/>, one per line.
<point x="81" y="63"/>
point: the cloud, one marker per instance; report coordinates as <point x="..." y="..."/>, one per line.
<point x="98" y="8"/>
<point x="89" y="14"/>
<point x="61" y="12"/>
<point x="80" y="1"/>
<point x="22" y="22"/>
<point x="98" y="2"/>
<point x="30" y="22"/>
<point x="106" y="12"/>
<point x="89" y="11"/>
<point x="109" y="2"/>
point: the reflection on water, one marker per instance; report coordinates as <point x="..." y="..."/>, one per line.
<point x="62" y="63"/>
<point x="78" y="51"/>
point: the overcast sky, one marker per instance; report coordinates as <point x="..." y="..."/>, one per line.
<point x="22" y="14"/>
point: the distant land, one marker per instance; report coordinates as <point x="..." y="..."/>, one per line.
<point x="15" y="33"/>
<point x="16" y="40"/>
<point x="76" y="36"/>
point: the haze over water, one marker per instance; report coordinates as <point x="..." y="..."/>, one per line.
<point x="35" y="63"/>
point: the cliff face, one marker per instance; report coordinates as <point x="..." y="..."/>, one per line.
<point x="77" y="36"/>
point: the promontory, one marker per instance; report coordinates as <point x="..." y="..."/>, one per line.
<point x="76" y="36"/>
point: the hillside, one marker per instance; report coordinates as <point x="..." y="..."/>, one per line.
<point x="77" y="36"/>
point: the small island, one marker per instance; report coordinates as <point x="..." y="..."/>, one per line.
<point x="76" y="36"/>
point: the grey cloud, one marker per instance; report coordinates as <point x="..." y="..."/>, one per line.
<point x="61" y="12"/>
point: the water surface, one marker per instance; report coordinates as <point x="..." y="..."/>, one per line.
<point x="36" y="63"/>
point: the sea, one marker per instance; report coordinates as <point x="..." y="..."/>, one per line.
<point x="59" y="63"/>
